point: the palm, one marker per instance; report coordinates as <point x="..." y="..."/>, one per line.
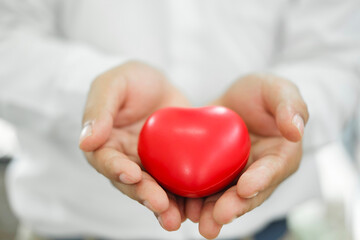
<point x="130" y="93"/>
<point x="270" y="154"/>
<point x="272" y="159"/>
<point x="146" y="91"/>
<point x="260" y="102"/>
<point x="124" y="140"/>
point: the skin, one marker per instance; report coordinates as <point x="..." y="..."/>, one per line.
<point x="268" y="105"/>
<point x="268" y="166"/>
<point x="118" y="104"/>
<point x="120" y="100"/>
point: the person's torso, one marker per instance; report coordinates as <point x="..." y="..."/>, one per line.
<point x="202" y="46"/>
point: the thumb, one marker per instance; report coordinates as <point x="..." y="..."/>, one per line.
<point x="105" y="97"/>
<point x="283" y="99"/>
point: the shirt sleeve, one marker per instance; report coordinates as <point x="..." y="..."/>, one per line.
<point x="319" y="51"/>
<point x="44" y="77"/>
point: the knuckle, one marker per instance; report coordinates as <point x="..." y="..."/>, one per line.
<point x="89" y="156"/>
<point x="285" y="169"/>
<point x="300" y="103"/>
<point x="306" y="112"/>
<point x="137" y="193"/>
<point x="103" y="163"/>
<point x="253" y="204"/>
<point x="295" y="167"/>
<point x="247" y="208"/>
<point x="98" y="80"/>
<point x="119" y="186"/>
<point x="108" y="166"/>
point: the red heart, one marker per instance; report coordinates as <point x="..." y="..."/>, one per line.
<point x="194" y="152"/>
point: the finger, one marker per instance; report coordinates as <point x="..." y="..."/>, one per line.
<point x="106" y="95"/>
<point x="146" y="192"/>
<point x="124" y="142"/>
<point x="270" y="170"/>
<point x="170" y="219"/>
<point x="147" y="90"/>
<point x="231" y="206"/>
<point x="181" y="204"/>
<point x="245" y="98"/>
<point x="115" y="165"/>
<point x="208" y="227"/>
<point x="282" y="98"/>
<point x="193" y="209"/>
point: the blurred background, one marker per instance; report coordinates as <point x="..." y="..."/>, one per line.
<point x="8" y="143"/>
<point x="336" y="216"/>
<point x="333" y="216"/>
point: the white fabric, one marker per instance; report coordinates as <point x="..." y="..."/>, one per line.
<point x="51" y="50"/>
<point x="8" y="139"/>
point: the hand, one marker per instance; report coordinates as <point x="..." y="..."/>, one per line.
<point x="118" y="104"/>
<point x="275" y="114"/>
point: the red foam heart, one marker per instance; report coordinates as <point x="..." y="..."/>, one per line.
<point x="194" y="152"/>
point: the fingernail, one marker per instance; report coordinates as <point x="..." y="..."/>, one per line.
<point x="124" y="178"/>
<point x="254" y="195"/>
<point x="86" y="131"/>
<point x="160" y="221"/>
<point x="147" y="204"/>
<point x="298" y="122"/>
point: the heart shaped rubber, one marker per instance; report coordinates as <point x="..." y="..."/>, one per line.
<point x="194" y="152"/>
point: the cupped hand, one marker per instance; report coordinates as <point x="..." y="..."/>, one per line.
<point x="119" y="101"/>
<point x="275" y="114"/>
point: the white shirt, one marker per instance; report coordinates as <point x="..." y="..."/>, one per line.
<point x="51" y="50"/>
